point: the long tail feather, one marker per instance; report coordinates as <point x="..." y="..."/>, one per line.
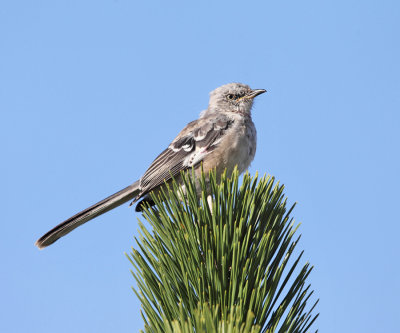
<point x="103" y="206"/>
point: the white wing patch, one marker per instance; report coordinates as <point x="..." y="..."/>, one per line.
<point x="195" y="157"/>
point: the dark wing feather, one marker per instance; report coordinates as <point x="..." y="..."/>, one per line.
<point x="167" y="163"/>
<point x="188" y="149"/>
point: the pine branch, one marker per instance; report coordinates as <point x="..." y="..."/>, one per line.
<point x="226" y="267"/>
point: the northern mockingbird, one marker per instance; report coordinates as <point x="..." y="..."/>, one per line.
<point x="224" y="136"/>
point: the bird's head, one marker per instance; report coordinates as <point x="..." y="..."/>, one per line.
<point x="233" y="97"/>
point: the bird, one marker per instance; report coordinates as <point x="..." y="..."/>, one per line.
<point x="222" y="138"/>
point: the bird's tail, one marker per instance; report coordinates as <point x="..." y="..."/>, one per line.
<point x="115" y="200"/>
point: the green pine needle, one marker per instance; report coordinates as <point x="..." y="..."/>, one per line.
<point x="224" y="268"/>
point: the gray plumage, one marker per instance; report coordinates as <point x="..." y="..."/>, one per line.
<point x="224" y="136"/>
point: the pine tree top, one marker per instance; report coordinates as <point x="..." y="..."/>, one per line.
<point x="223" y="267"/>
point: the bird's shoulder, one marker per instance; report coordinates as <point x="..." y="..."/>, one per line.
<point x="198" y="129"/>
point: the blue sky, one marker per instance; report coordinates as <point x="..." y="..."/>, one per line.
<point x="92" y="91"/>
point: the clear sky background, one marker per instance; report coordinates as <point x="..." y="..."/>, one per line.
<point x="92" y="91"/>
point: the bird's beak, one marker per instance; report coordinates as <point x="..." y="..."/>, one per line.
<point x="256" y="92"/>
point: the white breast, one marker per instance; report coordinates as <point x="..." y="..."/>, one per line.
<point x="239" y="146"/>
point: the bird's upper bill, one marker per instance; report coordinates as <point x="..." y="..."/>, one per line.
<point x="255" y="92"/>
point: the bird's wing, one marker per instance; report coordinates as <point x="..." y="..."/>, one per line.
<point x="189" y="148"/>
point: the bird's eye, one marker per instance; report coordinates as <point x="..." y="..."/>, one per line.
<point x="230" y="96"/>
